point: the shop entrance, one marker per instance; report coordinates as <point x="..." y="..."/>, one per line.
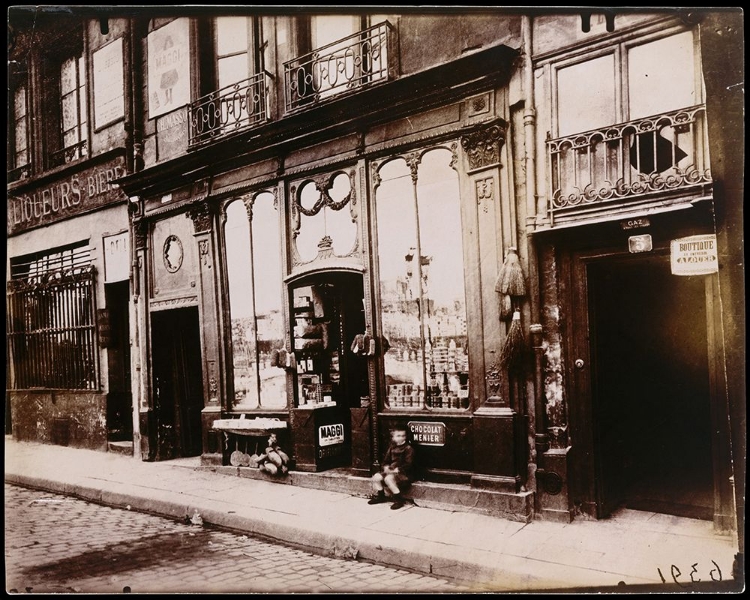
<point x="328" y="314"/>
<point x="650" y="388"/>
<point x="177" y="382"/>
<point x="119" y="398"/>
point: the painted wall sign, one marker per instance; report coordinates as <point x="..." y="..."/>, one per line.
<point x="640" y="243"/>
<point x="168" y="67"/>
<point x="109" y="95"/>
<point x="78" y="193"/>
<point x="116" y="257"/>
<point x="427" y="433"/>
<point x="330" y="435"/>
<point x="694" y="255"/>
<point x="104" y="327"/>
<point x="635" y="223"/>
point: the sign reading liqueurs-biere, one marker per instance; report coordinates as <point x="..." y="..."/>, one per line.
<point x="427" y="433"/>
<point x="65" y="197"/>
<point x="694" y="255"/>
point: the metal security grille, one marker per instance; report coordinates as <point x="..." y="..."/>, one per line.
<point x="51" y="324"/>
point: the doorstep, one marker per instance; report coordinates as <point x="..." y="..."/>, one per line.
<point x="443" y="496"/>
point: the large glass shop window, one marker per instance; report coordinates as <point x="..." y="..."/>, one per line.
<point x="420" y="254"/>
<point x="253" y="249"/>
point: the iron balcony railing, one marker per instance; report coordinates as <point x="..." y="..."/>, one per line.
<point x="19" y="173"/>
<point x="366" y="57"/>
<point x="69" y="154"/>
<point x="233" y="108"/>
<point x="622" y="163"/>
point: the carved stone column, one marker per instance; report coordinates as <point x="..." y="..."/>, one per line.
<point x="146" y="422"/>
<point x="202" y="215"/>
<point x="497" y="428"/>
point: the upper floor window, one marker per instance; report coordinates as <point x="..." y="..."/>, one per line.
<point x="632" y="81"/>
<point x="73" y="111"/>
<point x="19" y="134"/>
<point x="233" y="83"/>
<point x="238" y="53"/>
<point x="337" y="53"/>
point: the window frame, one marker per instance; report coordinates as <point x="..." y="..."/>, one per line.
<point x="51" y="299"/>
<point x="620" y="50"/>
<point x="250" y="198"/>
<point x="19" y="171"/>
<point x="423" y="408"/>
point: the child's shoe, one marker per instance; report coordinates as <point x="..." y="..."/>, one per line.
<point x="398" y="502"/>
<point x="378" y="498"/>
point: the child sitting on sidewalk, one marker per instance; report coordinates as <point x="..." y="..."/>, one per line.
<point x="396" y="472"/>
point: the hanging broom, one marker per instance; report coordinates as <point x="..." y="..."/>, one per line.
<point x="510" y="280"/>
<point x="506" y="307"/>
<point x="512" y="350"/>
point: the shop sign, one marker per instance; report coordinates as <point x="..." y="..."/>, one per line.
<point x="640" y="243"/>
<point x="635" y="223"/>
<point x="104" y="327"/>
<point x="78" y="193"/>
<point x="330" y="435"/>
<point x="427" y="433"/>
<point x="116" y="257"/>
<point x="168" y="68"/>
<point x="109" y="98"/>
<point x="694" y="255"/>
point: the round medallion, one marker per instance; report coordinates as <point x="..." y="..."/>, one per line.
<point x="553" y="483"/>
<point x="172" y="253"/>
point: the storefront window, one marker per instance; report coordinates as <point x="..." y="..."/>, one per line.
<point x="253" y="249"/>
<point x="423" y="306"/>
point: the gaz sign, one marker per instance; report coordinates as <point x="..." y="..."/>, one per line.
<point x="694" y="255"/>
<point x="330" y="435"/>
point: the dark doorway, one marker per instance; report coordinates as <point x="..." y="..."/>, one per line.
<point x="119" y="398"/>
<point x="650" y="388"/>
<point x="177" y="382"/>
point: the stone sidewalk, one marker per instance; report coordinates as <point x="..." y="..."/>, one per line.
<point x="633" y="548"/>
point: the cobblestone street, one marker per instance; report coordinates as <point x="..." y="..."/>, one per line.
<point x="55" y="543"/>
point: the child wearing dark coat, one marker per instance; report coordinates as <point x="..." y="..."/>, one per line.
<point x="397" y="470"/>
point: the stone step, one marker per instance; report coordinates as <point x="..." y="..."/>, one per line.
<point x="122" y="447"/>
<point x="443" y="496"/>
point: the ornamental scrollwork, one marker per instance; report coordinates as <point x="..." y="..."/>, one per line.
<point x="200" y="214"/>
<point x="482" y="146"/>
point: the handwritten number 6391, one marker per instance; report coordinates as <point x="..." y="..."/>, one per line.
<point x="715" y="574"/>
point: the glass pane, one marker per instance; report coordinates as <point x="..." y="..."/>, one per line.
<point x="22" y="158"/>
<point x="244" y="347"/>
<point x="661" y="76"/>
<point x="330" y="28"/>
<point x="312" y="229"/>
<point x="69" y="112"/>
<point x="586" y="95"/>
<point x="268" y="298"/>
<point x="446" y="348"/>
<point x="19" y="101"/>
<point x="70" y="138"/>
<point x="82" y="101"/>
<point x="233" y="70"/>
<point x="68" y="76"/>
<point x="339" y="223"/>
<point x="231" y="35"/>
<point x="20" y="135"/>
<point x="399" y="285"/>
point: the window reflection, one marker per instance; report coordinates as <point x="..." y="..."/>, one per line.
<point x="253" y="250"/>
<point x="423" y="301"/>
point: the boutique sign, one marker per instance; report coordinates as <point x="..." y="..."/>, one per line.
<point x="63" y="198"/>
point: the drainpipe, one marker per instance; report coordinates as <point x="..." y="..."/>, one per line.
<point x="541" y="442"/>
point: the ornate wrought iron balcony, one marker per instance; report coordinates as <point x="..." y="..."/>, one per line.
<point x="228" y="110"/>
<point x="624" y="163"/>
<point x="69" y="154"/>
<point x="360" y="59"/>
